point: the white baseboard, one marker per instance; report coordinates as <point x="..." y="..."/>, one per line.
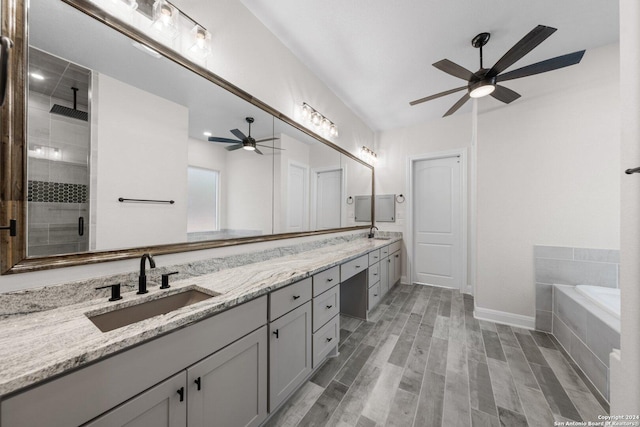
<point x="511" y="319"/>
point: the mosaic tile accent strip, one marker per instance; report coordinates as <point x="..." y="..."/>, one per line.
<point x="56" y="192"/>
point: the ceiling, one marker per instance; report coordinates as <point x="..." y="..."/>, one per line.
<point x="376" y="55"/>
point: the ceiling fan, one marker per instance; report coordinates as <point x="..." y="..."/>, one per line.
<point x="243" y="141"/>
<point x="485" y="81"/>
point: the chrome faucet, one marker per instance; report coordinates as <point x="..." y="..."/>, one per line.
<point x="371" y="233"/>
<point x="142" y="280"/>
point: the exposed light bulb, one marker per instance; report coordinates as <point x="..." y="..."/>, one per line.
<point x="316" y="118"/>
<point x="164" y="18"/>
<point x="333" y="130"/>
<point x="201" y="47"/>
<point x="306" y="112"/>
<point x="326" y="124"/>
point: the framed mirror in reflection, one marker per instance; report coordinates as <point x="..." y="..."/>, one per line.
<point x="127" y="148"/>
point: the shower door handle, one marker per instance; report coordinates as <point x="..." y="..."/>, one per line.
<point x="5" y="45"/>
<point x="81" y="226"/>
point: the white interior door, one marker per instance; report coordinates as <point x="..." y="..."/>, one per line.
<point x="297" y="198"/>
<point x="437" y="222"/>
<point x="328" y="198"/>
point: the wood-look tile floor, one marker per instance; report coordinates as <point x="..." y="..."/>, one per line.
<point x="423" y="360"/>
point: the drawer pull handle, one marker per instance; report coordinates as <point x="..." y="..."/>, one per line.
<point x="329" y="339"/>
<point x="296" y="297"/>
<point x="198" y="383"/>
<point x="375" y="274"/>
<point x="357" y="266"/>
<point x="375" y="257"/>
<point x="375" y="295"/>
<point x="181" y="394"/>
<point x="329" y="306"/>
<point x="277" y="333"/>
<point x="330" y="279"/>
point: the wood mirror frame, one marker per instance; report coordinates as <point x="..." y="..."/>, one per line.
<point x="13" y="205"/>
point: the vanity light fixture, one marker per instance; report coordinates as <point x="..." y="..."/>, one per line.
<point x="368" y="155"/>
<point x="323" y="124"/>
<point x="201" y="47"/>
<point x="165" y="18"/>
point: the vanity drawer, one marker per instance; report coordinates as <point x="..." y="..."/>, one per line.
<point x="395" y="247"/>
<point x="325" y="340"/>
<point x="353" y="267"/>
<point x="325" y="307"/>
<point x="286" y="299"/>
<point x="375" y="295"/>
<point x="374" y="274"/>
<point x="325" y="280"/>
<point x="374" y="256"/>
<point x="384" y="252"/>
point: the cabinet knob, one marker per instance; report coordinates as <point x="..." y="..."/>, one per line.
<point x="296" y="297"/>
<point x="277" y="333"/>
<point x="330" y="279"/>
<point x="375" y="295"/>
<point x="329" y="339"/>
<point x="198" y="383"/>
<point x="181" y="394"/>
<point x="357" y="266"/>
<point x="329" y="306"/>
<point x="375" y="274"/>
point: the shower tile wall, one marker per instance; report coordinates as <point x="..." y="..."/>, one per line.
<point x="58" y="176"/>
<point x="570" y="266"/>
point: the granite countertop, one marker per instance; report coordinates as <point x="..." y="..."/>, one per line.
<point x="38" y="346"/>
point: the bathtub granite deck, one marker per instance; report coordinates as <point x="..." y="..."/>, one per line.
<point x="38" y="346"/>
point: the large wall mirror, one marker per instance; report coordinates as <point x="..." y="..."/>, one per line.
<point x="127" y="149"/>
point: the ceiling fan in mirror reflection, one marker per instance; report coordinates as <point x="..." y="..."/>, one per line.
<point x="246" y="142"/>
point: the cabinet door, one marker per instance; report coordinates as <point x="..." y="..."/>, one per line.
<point x="392" y="271"/>
<point x="162" y="405"/>
<point x="397" y="268"/>
<point x="289" y="353"/>
<point x="384" y="275"/>
<point x="229" y="388"/>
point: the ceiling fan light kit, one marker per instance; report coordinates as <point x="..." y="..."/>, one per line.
<point x="485" y="81"/>
<point x="245" y="142"/>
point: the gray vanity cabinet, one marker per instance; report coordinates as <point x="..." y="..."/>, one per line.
<point x="397" y="267"/>
<point x="160" y="406"/>
<point x="230" y="386"/>
<point x="289" y="353"/>
<point x="384" y="275"/>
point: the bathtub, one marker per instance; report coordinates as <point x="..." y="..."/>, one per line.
<point x="606" y="298"/>
<point x="586" y="322"/>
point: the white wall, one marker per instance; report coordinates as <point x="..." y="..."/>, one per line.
<point x="137" y="132"/>
<point x="245" y="53"/>
<point x="548" y="173"/>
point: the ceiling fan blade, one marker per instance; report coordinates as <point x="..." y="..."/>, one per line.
<point x="238" y="134"/>
<point x="520" y="49"/>
<point x="454" y="69"/>
<point x="437" y="95"/>
<point x="505" y="94"/>
<point x="258" y="151"/>
<point x="266" y="139"/>
<point x="268" y="146"/>
<point x="543" y="66"/>
<point x="457" y="105"/>
<point x="225" y="140"/>
<point x="234" y="147"/>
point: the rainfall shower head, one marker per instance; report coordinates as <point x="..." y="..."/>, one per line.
<point x="74" y="113"/>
